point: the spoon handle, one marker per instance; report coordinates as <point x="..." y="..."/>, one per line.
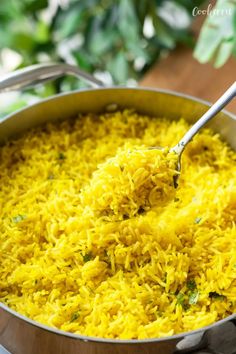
<point x="215" y="108"/>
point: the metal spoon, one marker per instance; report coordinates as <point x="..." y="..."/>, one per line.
<point x="215" y="108"/>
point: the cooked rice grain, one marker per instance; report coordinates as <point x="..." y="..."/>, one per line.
<point x="135" y="180"/>
<point x="165" y="271"/>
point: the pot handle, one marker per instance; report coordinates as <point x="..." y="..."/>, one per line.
<point x="39" y="73"/>
<point x="209" y="341"/>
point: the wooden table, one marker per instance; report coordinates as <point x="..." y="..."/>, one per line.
<point x="180" y="72"/>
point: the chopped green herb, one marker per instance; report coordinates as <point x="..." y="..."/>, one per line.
<point x="121" y="168"/>
<point x="141" y="210"/>
<point x="191" y="284"/>
<point x="87" y="257"/>
<point x="164" y="277"/>
<point x="215" y="295"/>
<point x="180" y="299"/>
<point x="61" y="156"/>
<point x="176" y="200"/>
<point x="186" y="306"/>
<point x="193" y="297"/>
<point x="159" y="314"/>
<point x="74" y="316"/>
<point x="197" y="220"/>
<point x="18" y="218"/>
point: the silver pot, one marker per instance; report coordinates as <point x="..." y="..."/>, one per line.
<point x="19" y="334"/>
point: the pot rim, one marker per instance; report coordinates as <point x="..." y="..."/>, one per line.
<point x="84" y="338"/>
<point x="139" y="88"/>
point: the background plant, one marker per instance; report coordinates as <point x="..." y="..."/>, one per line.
<point x="217" y="40"/>
<point x="117" y="40"/>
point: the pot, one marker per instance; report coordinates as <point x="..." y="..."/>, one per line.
<point x="21" y="335"/>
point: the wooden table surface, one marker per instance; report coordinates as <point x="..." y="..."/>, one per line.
<point x="181" y="72"/>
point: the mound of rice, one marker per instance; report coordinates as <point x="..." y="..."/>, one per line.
<point x="132" y="182"/>
<point x="168" y="269"/>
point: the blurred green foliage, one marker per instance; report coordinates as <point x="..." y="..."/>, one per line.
<point x="217" y="40"/>
<point x="98" y="35"/>
<point x="120" y="37"/>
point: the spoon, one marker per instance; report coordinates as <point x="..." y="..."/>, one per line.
<point x="215" y="108"/>
<point x="113" y="183"/>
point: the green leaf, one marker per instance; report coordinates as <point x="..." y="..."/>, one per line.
<point x="197" y="220"/>
<point x="34" y="5"/>
<point x="142" y="9"/>
<point x="182" y="36"/>
<point x="191" y="284"/>
<point x="137" y="52"/>
<point x="74" y="317"/>
<point x="193" y="297"/>
<point x="217" y="35"/>
<point x="18" y="218"/>
<point x="24" y="42"/>
<point x="101" y="42"/>
<point x="224" y="52"/>
<point x="47" y="89"/>
<point x="9" y="10"/>
<point x="61" y="156"/>
<point x="83" y="59"/>
<point x="128" y="24"/>
<point x="164" y="33"/>
<point x="207" y="44"/>
<point x="87" y="257"/>
<point x="180" y="299"/>
<point x="68" y="23"/>
<point x="41" y="32"/>
<point x="118" y="68"/>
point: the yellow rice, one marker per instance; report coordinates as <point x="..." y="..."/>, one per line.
<point x="166" y="270"/>
<point x="134" y="181"/>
